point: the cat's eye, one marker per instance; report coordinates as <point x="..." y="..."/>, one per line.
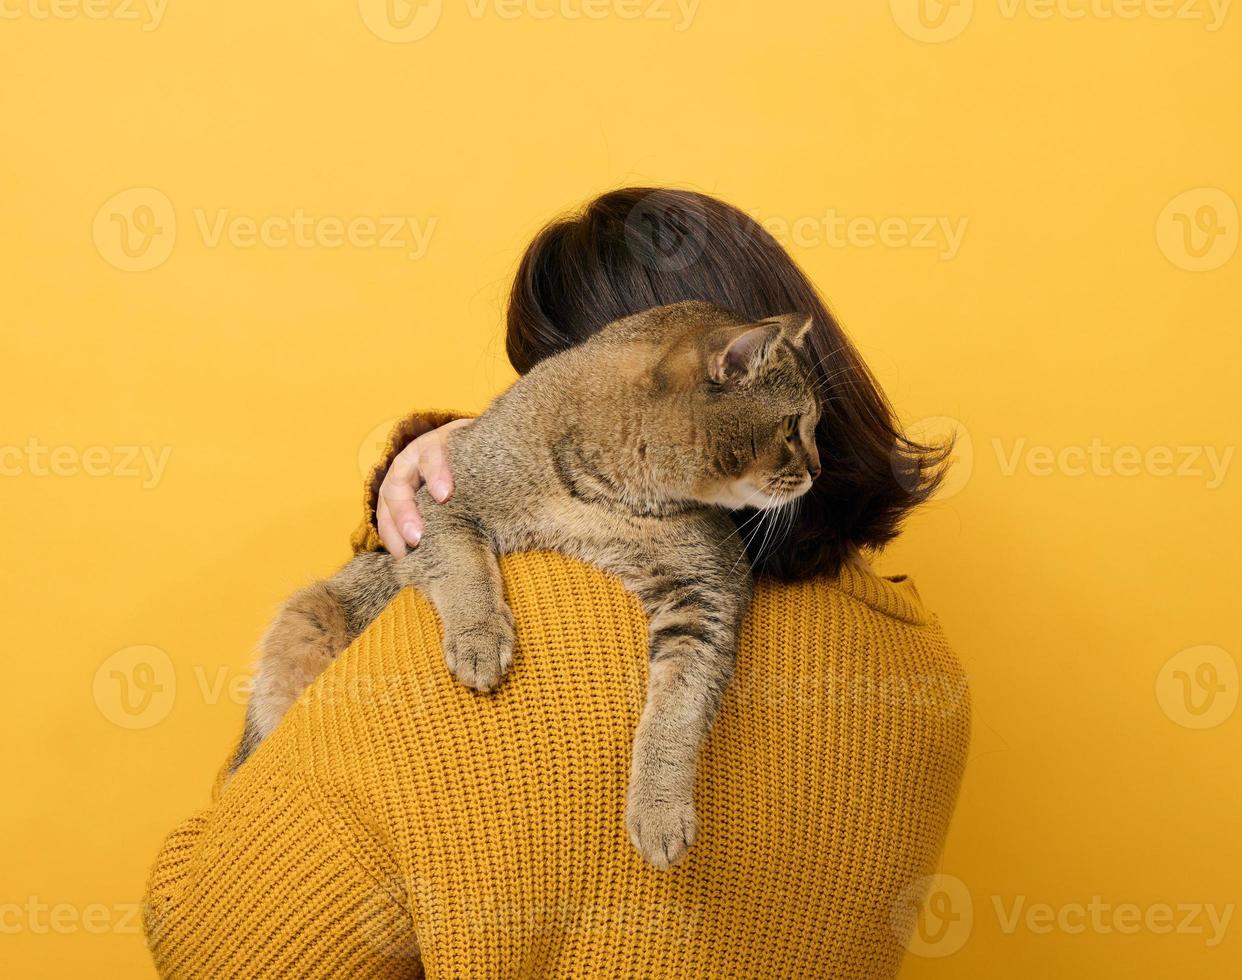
<point x="790" y="428"/>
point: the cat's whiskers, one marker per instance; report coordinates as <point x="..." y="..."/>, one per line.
<point x="776" y="523"/>
<point x="767" y="526"/>
<point x="786" y="524"/>
<point x="759" y="511"/>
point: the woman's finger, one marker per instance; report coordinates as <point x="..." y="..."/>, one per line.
<point x="434" y="470"/>
<point x="434" y="463"/>
<point x="393" y="541"/>
<point x="423" y="461"/>
<point x="401" y="481"/>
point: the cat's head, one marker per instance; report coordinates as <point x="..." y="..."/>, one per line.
<point x="746" y="402"/>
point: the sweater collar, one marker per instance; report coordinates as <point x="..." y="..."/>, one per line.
<point x="893" y="595"/>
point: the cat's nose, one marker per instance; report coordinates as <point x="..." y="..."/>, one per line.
<point x="812" y="467"/>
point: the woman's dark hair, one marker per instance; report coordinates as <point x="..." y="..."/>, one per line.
<point x="632" y="249"/>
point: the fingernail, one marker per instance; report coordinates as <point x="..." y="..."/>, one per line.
<point x="411" y="533"/>
<point x="440" y="490"/>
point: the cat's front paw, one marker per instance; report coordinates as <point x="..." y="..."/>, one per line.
<point x="662" y="828"/>
<point x="480" y="655"/>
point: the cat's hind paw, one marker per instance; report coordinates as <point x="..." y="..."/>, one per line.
<point x="662" y="831"/>
<point x="480" y="656"/>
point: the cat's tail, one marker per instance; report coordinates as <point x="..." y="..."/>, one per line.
<point x="313" y="626"/>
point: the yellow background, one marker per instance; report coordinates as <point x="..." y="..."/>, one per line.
<point x="1064" y="317"/>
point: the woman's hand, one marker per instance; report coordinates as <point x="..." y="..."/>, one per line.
<point x="396" y="517"/>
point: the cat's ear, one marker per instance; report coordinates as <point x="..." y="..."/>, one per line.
<point x="743" y="351"/>
<point x="794" y="327"/>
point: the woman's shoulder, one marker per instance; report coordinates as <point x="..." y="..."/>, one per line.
<point x="856" y="585"/>
<point x="577" y="625"/>
<point x="582" y="641"/>
<point x="862" y="638"/>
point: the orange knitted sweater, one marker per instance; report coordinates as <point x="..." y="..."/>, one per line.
<point x="397" y="822"/>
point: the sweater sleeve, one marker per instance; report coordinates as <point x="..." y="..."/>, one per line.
<point x="366" y="536"/>
<point x="258" y="885"/>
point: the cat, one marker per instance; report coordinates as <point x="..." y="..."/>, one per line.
<point x="625" y="451"/>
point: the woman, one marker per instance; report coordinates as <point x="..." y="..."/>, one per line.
<point x="396" y="822"/>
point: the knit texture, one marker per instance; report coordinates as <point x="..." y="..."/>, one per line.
<point x="397" y="821"/>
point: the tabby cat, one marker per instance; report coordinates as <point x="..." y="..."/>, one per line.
<point x="624" y="451"/>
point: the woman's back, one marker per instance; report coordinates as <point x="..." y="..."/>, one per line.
<point x="396" y="816"/>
